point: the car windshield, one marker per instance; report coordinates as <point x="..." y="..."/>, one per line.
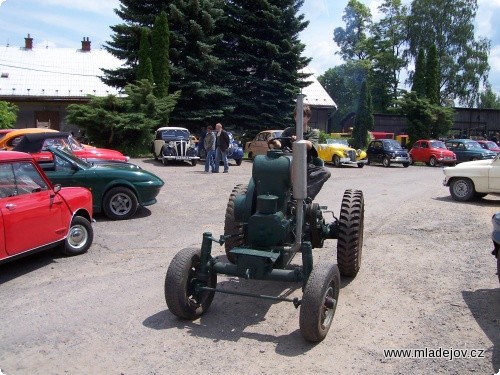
<point x="392" y="144"/>
<point x="337" y="141"/>
<point x="437" y="144"/>
<point x="56" y="142"/>
<point x="490" y="144"/>
<point x="472" y="145"/>
<point x="75" y="145"/>
<point x="178" y="134"/>
<point x="67" y="156"/>
<point x="277" y="134"/>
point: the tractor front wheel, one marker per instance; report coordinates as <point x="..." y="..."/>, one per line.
<point x="319" y="302"/>
<point x="181" y="294"/>
<point x="350" y="238"/>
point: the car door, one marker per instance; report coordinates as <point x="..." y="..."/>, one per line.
<point x="416" y="151"/>
<point x="32" y="212"/>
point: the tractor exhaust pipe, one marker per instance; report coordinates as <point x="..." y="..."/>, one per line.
<point x="299" y="167"/>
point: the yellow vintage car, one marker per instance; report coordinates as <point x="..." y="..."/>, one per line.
<point x="338" y="152"/>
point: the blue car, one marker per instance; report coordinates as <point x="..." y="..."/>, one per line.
<point x="234" y="152"/>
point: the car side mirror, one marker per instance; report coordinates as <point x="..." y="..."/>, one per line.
<point x="57" y="188"/>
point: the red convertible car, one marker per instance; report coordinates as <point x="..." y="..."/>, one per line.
<point x="37" y="144"/>
<point x="36" y="215"/>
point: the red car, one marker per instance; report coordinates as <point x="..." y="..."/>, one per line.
<point x="37" y="144"/>
<point x="36" y="215"/>
<point x="489" y="145"/>
<point x="432" y="152"/>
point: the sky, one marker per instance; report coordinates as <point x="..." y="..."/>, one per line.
<point x="64" y="23"/>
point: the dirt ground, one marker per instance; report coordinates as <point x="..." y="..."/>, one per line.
<point x="427" y="281"/>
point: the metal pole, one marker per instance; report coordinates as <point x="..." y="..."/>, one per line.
<point x="299" y="165"/>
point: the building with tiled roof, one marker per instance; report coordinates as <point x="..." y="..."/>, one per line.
<point x="42" y="82"/>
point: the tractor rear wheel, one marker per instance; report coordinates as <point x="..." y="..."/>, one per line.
<point x="183" y="300"/>
<point x="230" y="225"/>
<point x="350" y="238"/>
<point x="319" y="302"/>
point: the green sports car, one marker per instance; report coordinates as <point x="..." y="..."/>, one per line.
<point x="118" y="189"/>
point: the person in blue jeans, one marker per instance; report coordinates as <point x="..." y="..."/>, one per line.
<point x="221" y="146"/>
<point x="209" y="145"/>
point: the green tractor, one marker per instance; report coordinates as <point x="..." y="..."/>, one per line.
<point x="268" y="221"/>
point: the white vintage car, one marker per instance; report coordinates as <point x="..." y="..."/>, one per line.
<point x="174" y="144"/>
<point x="473" y="179"/>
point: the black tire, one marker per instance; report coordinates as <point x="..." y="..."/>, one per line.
<point x="180" y="283"/>
<point x="386" y="162"/>
<point x="238" y="161"/>
<point x="498" y="267"/>
<point x="462" y="189"/>
<point x="194" y="162"/>
<point x="203" y="153"/>
<point x="80" y="237"/>
<point x="432" y="161"/>
<point x="368" y="161"/>
<point x="250" y="155"/>
<point x="360" y="165"/>
<point x="120" y="203"/>
<point x="406" y="165"/>
<point x="336" y="161"/>
<point x="231" y="226"/>
<point x="315" y="318"/>
<point x="164" y="161"/>
<point x="350" y="238"/>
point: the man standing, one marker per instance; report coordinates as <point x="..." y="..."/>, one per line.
<point x="209" y="145"/>
<point x="221" y="146"/>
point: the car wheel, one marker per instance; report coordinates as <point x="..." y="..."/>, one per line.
<point x="462" y="189"/>
<point x="336" y="161"/>
<point x="120" y="203"/>
<point x="360" y="165"/>
<point x="319" y="302"/>
<point x="386" y="162"/>
<point x="350" y="238"/>
<point x="367" y="161"/>
<point x="231" y="226"/>
<point x="250" y="155"/>
<point x="238" y="161"/>
<point x="406" y="165"/>
<point x="432" y="161"/>
<point x="181" y="281"/>
<point x="80" y="237"/>
<point x="193" y="162"/>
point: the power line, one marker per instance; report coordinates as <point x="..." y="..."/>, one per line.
<point x="49" y="71"/>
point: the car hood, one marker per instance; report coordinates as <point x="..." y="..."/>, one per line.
<point x="466" y="166"/>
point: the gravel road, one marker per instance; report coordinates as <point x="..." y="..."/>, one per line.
<point x="427" y="281"/>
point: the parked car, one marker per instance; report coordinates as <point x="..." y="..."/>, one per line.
<point x="468" y="150"/>
<point x="174" y="144"/>
<point x="387" y="152"/>
<point x="117" y="188"/>
<point x="258" y="146"/>
<point x="36" y="215"/>
<point x="234" y="152"/>
<point x="37" y="144"/>
<point x="338" y="152"/>
<point x="489" y="145"/>
<point x="473" y="179"/>
<point x="432" y="152"/>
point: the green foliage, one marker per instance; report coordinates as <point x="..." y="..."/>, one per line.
<point x="432" y="76"/>
<point x="323" y="136"/>
<point x="352" y="40"/>
<point x="8" y="115"/>
<point x="425" y="120"/>
<point x="262" y="54"/>
<point x="124" y="123"/>
<point x="160" y="42"/>
<point x="343" y="84"/>
<point x="419" y="77"/>
<point x="463" y="59"/>
<point x="488" y="99"/>
<point x="364" y="118"/>
<point x="144" y="68"/>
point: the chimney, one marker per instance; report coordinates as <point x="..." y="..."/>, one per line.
<point x="85" y="44"/>
<point x="28" y="43"/>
